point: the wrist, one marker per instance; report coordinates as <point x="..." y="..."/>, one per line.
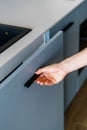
<point x="65" y="66"/>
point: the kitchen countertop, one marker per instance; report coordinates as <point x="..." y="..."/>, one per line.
<point x="35" y="14"/>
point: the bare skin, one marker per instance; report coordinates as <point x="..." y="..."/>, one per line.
<point x="55" y="73"/>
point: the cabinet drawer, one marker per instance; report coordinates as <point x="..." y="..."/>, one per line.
<point x="37" y="107"/>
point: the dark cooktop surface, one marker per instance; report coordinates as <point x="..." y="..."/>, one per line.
<point x="9" y="34"/>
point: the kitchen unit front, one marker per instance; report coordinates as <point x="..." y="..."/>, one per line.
<point x="71" y="24"/>
<point x="23" y="103"/>
<point x="33" y="107"/>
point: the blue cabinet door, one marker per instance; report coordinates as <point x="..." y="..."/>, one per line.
<point x="37" y="107"/>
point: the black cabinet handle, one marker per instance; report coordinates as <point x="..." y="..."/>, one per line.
<point x="67" y="27"/>
<point x="31" y="81"/>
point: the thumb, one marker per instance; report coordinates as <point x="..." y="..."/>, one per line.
<point x="41" y="70"/>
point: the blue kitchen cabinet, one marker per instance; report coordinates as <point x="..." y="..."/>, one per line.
<point x="71" y="28"/>
<point x="33" y="107"/>
<point x="73" y="81"/>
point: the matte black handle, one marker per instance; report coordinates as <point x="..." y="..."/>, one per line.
<point x="67" y="27"/>
<point x="31" y="81"/>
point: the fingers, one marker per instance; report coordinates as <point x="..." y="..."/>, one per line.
<point x="43" y="80"/>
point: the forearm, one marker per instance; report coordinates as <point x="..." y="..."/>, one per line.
<point x="75" y="62"/>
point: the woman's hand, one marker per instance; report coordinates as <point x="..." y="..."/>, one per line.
<point x="50" y="75"/>
<point x="53" y="74"/>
